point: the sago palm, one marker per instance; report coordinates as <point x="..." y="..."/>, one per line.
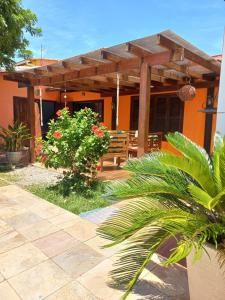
<point x="179" y="195"/>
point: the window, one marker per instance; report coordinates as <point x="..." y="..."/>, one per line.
<point x="96" y="105"/>
<point x="166" y="113"/>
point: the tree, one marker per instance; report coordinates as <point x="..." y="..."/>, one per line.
<point x="176" y="196"/>
<point x="15" y="23"/>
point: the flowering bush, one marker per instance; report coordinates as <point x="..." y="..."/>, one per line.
<point x="75" y="143"/>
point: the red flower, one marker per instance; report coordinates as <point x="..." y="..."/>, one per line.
<point x="38" y="150"/>
<point x="99" y="133"/>
<point x="44" y="158"/>
<point x="98" y="168"/>
<point x="57" y="135"/>
<point x="59" y="113"/>
<point x="94" y="128"/>
<point x="102" y="124"/>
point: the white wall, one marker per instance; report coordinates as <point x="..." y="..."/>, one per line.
<point x="220" y="124"/>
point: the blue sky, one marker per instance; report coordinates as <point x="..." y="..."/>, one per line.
<point x="72" y="27"/>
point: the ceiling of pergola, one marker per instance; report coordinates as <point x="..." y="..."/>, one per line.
<point x="173" y="62"/>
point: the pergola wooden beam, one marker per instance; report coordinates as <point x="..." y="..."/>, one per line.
<point x="109" y="55"/>
<point x="144" y="108"/>
<point x="86" y="60"/>
<point x="167" y="43"/>
<point x="137" y="50"/>
<point x="177" y="55"/>
<point x="104" y="69"/>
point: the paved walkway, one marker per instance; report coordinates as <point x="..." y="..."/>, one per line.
<point x="49" y="253"/>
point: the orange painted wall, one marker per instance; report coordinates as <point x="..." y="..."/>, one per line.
<point x="124" y="113"/>
<point x="8" y="89"/>
<point x="194" y="121"/>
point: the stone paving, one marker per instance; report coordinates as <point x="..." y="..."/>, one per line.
<point x="49" y="253"/>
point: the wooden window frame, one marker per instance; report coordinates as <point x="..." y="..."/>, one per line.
<point x="153" y="107"/>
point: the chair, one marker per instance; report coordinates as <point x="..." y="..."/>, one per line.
<point x="154" y="142"/>
<point x="118" y="147"/>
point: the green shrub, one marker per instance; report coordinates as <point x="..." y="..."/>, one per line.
<point x="76" y="144"/>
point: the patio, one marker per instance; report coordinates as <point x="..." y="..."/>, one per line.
<point x="49" y="253"/>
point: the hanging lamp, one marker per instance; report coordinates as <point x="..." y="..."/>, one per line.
<point x="187" y="92"/>
<point x="65" y="97"/>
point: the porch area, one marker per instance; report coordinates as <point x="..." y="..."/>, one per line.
<point x="148" y="69"/>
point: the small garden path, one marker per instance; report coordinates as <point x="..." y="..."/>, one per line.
<point x="49" y="253"/>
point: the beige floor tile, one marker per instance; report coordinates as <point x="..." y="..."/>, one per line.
<point x="40" y="281"/>
<point x="10" y="240"/>
<point x="78" y="260"/>
<point x="7" y="201"/>
<point x="97" y="242"/>
<point x="26" y="199"/>
<point x="23" y="220"/>
<point x="46" y="210"/>
<point x="10" y="211"/>
<point x="83" y="230"/>
<point x="20" y="259"/>
<point x="38" y="230"/>
<point x="97" y="281"/>
<point x="4" y="227"/>
<point x="11" y="190"/>
<point x="1" y="279"/>
<point x="72" y="291"/>
<point x="56" y="243"/>
<point x="7" y="293"/>
<point x="65" y="220"/>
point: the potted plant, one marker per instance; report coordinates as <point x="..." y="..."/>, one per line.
<point x="14" y="137"/>
<point x="181" y="196"/>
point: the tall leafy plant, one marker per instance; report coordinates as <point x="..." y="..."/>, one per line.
<point x="14" y="136"/>
<point x="176" y="195"/>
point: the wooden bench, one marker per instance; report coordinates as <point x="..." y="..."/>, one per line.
<point x="118" y="148"/>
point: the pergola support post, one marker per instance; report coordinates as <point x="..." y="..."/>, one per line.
<point x="31" y="104"/>
<point x="144" y="108"/>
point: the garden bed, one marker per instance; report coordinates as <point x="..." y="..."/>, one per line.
<point x="44" y="184"/>
<point x="74" y="202"/>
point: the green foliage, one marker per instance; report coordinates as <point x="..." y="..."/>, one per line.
<point x="15" y="23"/>
<point x="177" y="196"/>
<point x="76" y="144"/>
<point x="15" y="136"/>
<point x="74" y="202"/>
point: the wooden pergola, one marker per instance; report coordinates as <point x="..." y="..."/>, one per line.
<point x="158" y="63"/>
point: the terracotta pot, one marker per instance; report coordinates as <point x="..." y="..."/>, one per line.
<point x="14" y="157"/>
<point x="205" y="277"/>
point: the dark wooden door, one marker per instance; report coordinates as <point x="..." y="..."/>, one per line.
<point x="21" y="110"/>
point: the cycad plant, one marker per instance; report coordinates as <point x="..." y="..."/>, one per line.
<point x="14" y="136"/>
<point x="179" y="195"/>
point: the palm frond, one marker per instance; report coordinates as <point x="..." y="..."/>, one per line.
<point x="189" y="149"/>
<point x="193" y="168"/>
<point x="142" y="186"/>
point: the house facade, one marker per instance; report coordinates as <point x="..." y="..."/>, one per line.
<point x="167" y="113"/>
